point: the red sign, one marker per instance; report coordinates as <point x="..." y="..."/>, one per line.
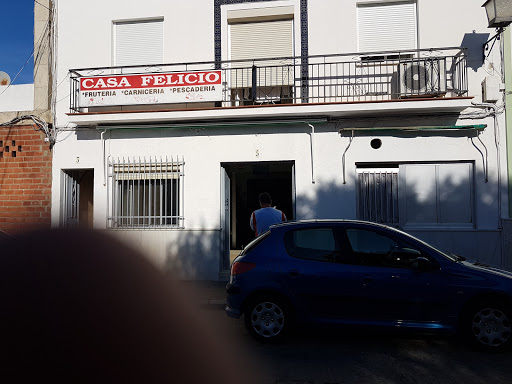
<point x="151" y="88"/>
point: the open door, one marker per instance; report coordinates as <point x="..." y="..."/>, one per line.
<point x="241" y="185"/>
<point x="77" y="198"/>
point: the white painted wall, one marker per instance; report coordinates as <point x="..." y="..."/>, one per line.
<point x="17" y="97"/>
<point x="84" y="30"/>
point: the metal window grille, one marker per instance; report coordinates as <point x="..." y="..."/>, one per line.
<point x="378" y="195"/>
<point x="145" y="193"/>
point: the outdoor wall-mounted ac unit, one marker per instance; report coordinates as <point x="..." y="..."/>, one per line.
<point x="422" y="77"/>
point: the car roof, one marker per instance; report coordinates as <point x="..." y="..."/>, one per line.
<point x="329" y="221"/>
<point x="300" y="223"/>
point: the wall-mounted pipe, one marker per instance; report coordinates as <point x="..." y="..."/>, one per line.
<point x="312" y="153"/>
<point x="343" y="157"/>
<point x="494" y="108"/>
<point x="104" y="162"/>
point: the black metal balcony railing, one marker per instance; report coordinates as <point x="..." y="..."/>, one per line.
<point x="329" y="78"/>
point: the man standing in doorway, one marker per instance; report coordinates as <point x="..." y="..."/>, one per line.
<point x="266" y="216"/>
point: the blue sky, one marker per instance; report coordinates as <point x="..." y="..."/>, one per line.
<point x="17" y="39"/>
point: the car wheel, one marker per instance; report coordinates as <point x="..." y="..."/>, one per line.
<point x="267" y="318"/>
<point x="491" y="326"/>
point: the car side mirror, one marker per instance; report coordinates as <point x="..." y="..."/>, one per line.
<point x="422" y="264"/>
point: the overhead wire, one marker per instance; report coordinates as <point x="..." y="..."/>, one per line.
<point x="44" y="42"/>
<point x="39" y="42"/>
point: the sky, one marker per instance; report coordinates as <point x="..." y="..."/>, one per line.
<point x="17" y="39"/>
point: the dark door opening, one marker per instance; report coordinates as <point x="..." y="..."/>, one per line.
<point x="246" y="182"/>
<point x="77" y="198"/>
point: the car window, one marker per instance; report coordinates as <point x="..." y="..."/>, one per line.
<point x="381" y="250"/>
<point x="311" y="243"/>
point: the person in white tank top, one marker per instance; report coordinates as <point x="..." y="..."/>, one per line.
<point x="263" y="218"/>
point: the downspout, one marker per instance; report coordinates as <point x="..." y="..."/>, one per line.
<point x="497" y="143"/>
<point x="343" y="157"/>
<point x="312" y="153"/>
<point x="104" y="163"/>
<point x="507" y="37"/>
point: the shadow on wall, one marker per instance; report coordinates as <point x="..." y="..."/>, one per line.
<point x="331" y="201"/>
<point x="474" y="42"/>
<point x="197" y="254"/>
<point x="427" y="212"/>
<point x="194" y="255"/>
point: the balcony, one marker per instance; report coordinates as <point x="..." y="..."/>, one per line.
<point x="331" y="81"/>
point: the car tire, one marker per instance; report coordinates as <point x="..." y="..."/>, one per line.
<point x="489" y="326"/>
<point x="267" y="318"/>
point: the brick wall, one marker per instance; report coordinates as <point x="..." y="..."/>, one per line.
<point x="25" y="179"/>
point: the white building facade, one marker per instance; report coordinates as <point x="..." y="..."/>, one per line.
<point x="174" y="116"/>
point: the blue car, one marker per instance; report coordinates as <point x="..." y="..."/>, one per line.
<point x="361" y="273"/>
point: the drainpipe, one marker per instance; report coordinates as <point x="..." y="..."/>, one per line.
<point x="497" y="143"/>
<point x="312" y="154"/>
<point x="104" y="164"/>
<point x="343" y="165"/>
<point x="507" y="52"/>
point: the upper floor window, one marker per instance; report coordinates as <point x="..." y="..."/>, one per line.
<point x="387" y="26"/>
<point x="138" y="42"/>
<point x="255" y="35"/>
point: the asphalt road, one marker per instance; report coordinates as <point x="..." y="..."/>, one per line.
<point x="326" y="356"/>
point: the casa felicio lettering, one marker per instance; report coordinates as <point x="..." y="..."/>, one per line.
<point x="155" y="80"/>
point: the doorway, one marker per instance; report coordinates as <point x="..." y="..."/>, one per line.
<point x="77" y="198"/>
<point x="243" y="182"/>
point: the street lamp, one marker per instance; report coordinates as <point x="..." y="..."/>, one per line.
<point x="499" y="15"/>
<point x="499" y="12"/>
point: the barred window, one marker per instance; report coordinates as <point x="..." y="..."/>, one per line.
<point x="378" y="195"/>
<point x="145" y="193"/>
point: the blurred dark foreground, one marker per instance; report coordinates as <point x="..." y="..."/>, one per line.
<point x="81" y="307"/>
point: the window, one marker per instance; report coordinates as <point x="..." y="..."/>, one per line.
<point x="138" y="42"/>
<point x="417" y="195"/>
<point x="378" y="195"/>
<point x="146" y="194"/>
<point x="387" y="26"/>
<point x="380" y="250"/>
<point x="436" y="194"/>
<point x="311" y="243"/>
<point x="257" y="34"/>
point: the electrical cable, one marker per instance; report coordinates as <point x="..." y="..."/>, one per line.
<point x="40" y="124"/>
<point x="31" y="55"/>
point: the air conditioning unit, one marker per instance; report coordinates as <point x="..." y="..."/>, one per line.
<point x="422" y="77"/>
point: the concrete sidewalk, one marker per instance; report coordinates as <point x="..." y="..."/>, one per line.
<point x="207" y="293"/>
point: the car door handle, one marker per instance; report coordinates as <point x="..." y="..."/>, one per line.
<point x="294" y="272"/>
<point x="366" y="280"/>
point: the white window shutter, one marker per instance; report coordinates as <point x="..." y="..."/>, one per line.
<point x="387" y="26"/>
<point x="139" y="42"/>
<point x="261" y="40"/>
<point x="417" y="193"/>
<point x="436" y="194"/>
<point x="455" y="193"/>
